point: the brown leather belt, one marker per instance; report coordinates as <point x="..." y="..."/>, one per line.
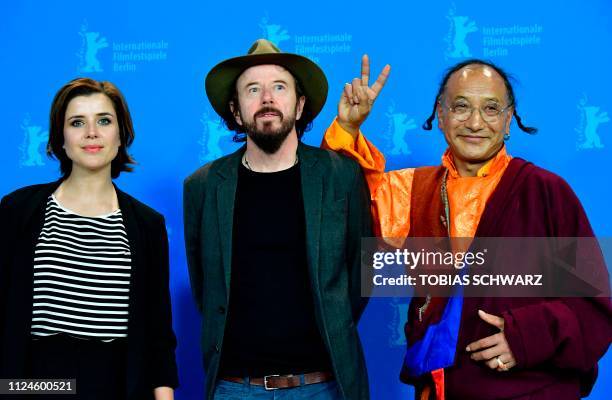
<point x="273" y="382"/>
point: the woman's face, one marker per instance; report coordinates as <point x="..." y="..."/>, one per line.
<point x="91" y="133"/>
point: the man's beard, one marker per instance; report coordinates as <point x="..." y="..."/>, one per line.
<point x="268" y="139"/>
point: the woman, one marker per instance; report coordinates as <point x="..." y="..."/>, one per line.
<point x="84" y="266"/>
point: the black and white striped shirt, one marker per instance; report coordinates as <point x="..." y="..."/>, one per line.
<point x="82" y="269"/>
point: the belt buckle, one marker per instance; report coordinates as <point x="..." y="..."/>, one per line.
<point x="265" y="379"/>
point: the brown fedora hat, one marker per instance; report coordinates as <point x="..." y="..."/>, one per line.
<point x="221" y="80"/>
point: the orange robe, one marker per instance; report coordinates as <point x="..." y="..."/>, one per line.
<point x="391" y="191"/>
<point x="391" y="195"/>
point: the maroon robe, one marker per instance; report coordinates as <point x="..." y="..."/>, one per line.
<point x="556" y="341"/>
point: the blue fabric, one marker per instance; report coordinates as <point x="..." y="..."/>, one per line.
<point x="437" y="347"/>
<point x="225" y="390"/>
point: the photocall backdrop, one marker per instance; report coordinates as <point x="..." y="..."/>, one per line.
<point x="158" y="54"/>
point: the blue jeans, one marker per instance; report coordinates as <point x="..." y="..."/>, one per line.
<point x="244" y="391"/>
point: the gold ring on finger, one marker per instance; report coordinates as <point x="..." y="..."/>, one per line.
<point x="501" y="364"/>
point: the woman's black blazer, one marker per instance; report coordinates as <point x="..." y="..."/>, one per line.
<point x="151" y="343"/>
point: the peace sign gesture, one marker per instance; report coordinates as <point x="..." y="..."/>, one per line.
<point x="358" y="98"/>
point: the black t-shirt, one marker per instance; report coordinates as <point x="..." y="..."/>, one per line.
<point x="271" y="327"/>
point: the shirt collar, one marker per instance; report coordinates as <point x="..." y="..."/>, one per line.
<point x="494" y="165"/>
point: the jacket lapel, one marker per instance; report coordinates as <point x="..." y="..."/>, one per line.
<point x="35" y="208"/>
<point x="226" y="197"/>
<point x="137" y="286"/>
<point x="133" y="234"/>
<point x="312" y="192"/>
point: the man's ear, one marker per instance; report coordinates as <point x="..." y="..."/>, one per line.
<point x="440" y="116"/>
<point x="299" y="108"/>
<point x="236" y="112"/>
<point x="509" y="120"/>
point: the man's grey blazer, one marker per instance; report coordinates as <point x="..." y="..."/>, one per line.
<point x="337" y="214"/>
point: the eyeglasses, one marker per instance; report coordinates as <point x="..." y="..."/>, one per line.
<point x="490" y="112"/>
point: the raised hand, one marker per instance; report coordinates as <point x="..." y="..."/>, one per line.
<point x="358" y="98"/>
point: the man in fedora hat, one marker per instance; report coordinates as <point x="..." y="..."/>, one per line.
<point x="273" y="236"/>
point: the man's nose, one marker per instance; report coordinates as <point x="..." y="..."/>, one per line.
<point x="266" y="96"/>
<point x="475" y="121"/>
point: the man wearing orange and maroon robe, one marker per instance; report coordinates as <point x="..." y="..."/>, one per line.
<point x="518" y="348"/>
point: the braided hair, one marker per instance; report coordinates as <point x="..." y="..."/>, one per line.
<point x="428" y="123"/>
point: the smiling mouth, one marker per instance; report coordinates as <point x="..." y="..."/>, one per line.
<point x="472" y="138"/>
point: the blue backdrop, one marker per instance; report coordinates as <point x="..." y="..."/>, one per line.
<point x="159" y="53"/>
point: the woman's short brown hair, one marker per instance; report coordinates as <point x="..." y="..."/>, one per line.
<point x="86" y="87"/>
